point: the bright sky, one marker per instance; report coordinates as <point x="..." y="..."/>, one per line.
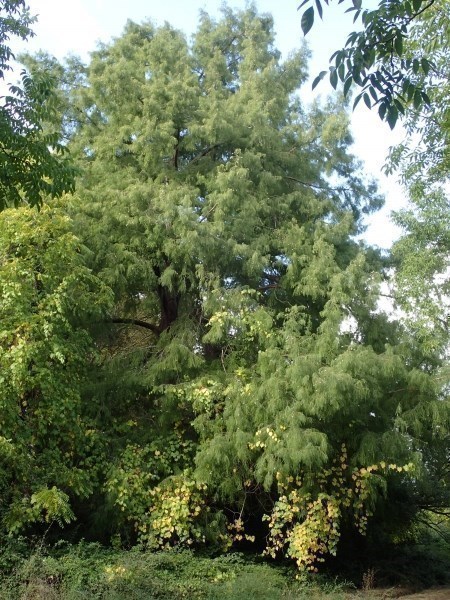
<point x="74" y="26"/>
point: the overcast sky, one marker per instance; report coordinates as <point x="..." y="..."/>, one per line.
<point x="76" y="26"/>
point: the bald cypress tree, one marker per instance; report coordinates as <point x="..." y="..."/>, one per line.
<point x="247" y="370"/>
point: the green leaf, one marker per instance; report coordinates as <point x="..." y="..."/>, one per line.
<point x="426" y="98"/>
<point x="334" y="78"/>
<point x="400" y="107"/>
<point x="398" y="44"/>
<point x="319" y="8"/>
<point x="392" y="116"/>
<point x="356" y="102"/>
<point x="417" y="101"/>
<point x="347" y="85"/>
<point x="318" y="79"/>
<point x="307" y="20"/>
<point x="425" y="65"/>
<point x="382" y="110"/>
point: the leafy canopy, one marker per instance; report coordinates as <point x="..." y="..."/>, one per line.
<point x="33" y="163"/>
<point x="242" y="374"/>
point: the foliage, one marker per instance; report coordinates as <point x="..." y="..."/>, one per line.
<point x="33" y="163"/>
<point x="88" y="570"/>
<point x="14" y="20"/>
<point x="375" y="58"/>
<point x="309" y="527"/>
<point x="242" y="350"/>
<point x="422" y="255"/>
<point x="44" y="437"/>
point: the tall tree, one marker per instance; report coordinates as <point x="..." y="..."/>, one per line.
<point x="246" y="370"/>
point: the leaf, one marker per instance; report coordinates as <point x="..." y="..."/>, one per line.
<point x="318" y="79"/>
<point x="319" y="8"/>
<point x="426" y="98"/>
<point x="366" y="99"/>
<point x="307" y="20"/>
<point x="417" y="101"/>
<point x="400" y="107"/>
<point x="334" y="78"/>
<point x="425" y="65"/>
<point x="357" y="99"/>
<point x="416" y="5"/>
<point x="410" y="91"/>
<point x="382" y="110"/>
<point x="392" y="116"/>
<point x="398" y="44"/>
<point x="347" y="85"/>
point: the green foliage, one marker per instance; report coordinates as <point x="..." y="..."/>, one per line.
<point x="211" y="255"/>
<point x="88" y="570"/>
<point x="33" y="163"/>
<point x="375" y="58"/>
<point x="422" y="255"/>
<point x="14" y="20"/>
<point x="46" y="292"/>
<point x="308" y="527"/>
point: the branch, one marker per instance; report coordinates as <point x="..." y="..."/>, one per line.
<point x="126" y="321"/>
<point x="311" y="185"/>
<point x="318" y="187"/>
<point x="205" y="152"/>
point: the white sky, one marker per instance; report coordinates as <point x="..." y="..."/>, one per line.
<point x="74" y="26"/>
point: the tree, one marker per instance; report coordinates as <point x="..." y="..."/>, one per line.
<point x="48" y="298"/>
<point x="375" y="59"/>
<point x="33" y="164"/>
<point x="246" y="375"/>
<point x="422" y="255"/>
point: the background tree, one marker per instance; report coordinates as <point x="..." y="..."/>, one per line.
<point x="33" y="163"/>
<point x="422" y="255"/>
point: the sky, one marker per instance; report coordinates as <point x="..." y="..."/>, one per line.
<point x="76" y="26"/>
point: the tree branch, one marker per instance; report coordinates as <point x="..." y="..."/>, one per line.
<point x="138" y="322"/>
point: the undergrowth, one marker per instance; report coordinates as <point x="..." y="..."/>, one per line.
<point x="87" y="570"/>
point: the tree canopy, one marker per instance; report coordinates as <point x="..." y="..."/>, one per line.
<point x="209" y="364"/>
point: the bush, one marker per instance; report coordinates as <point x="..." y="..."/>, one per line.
<point x="90" y="571"/>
